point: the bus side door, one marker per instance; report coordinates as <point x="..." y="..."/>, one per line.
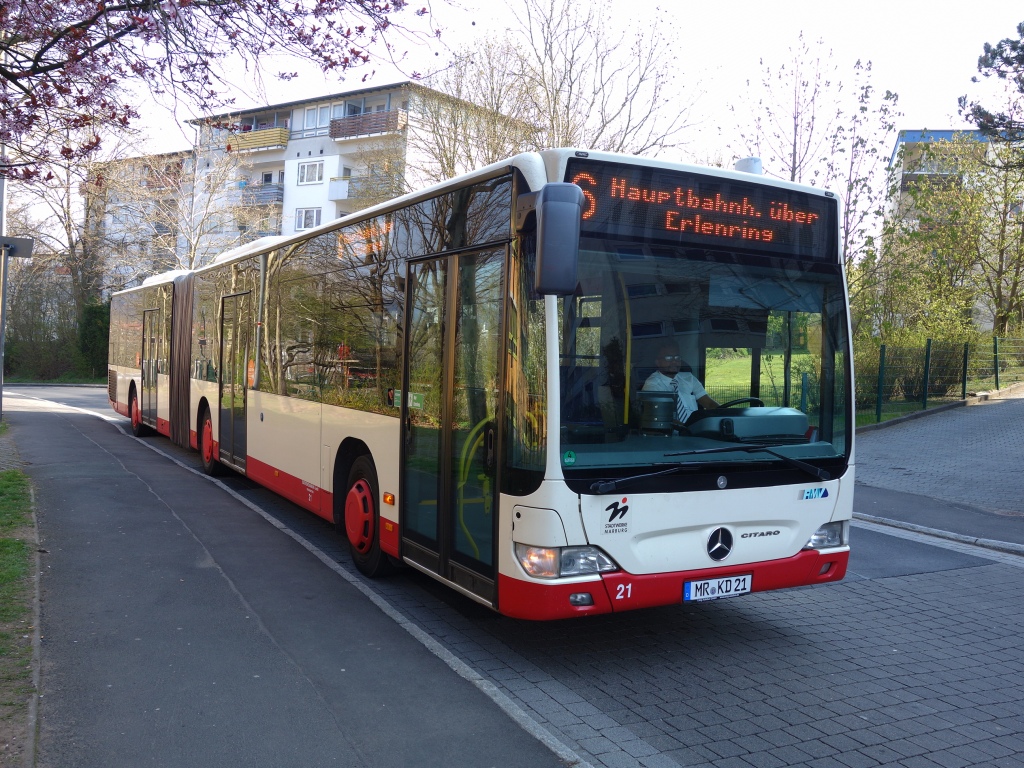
<point x="151" y="353"/>
<point x="449" y="416"/>
<point x="234" y="376"/>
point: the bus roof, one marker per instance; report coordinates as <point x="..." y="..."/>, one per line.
<point x="165" y="277"/>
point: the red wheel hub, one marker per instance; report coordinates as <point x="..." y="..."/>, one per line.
<point x="359" y="515"/>
<point x="136" y="416"/>
<point x="207" y="440"/>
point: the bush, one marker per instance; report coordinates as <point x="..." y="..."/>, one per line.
<point x="93" y="335"/>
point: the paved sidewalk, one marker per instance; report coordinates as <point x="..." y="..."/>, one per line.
<point x="179" y="629"/>
<point x="959" y="471"/>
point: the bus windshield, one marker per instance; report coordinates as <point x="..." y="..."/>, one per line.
<point x="667" y="350"/>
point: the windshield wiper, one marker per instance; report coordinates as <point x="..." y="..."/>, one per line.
<point x="809" y="468"/>
<point x="607" y="486"/>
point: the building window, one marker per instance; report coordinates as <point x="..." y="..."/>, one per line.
<point x="306" y="218"/>
<point x="311" y="173"/>
<point x="268" y="177"/>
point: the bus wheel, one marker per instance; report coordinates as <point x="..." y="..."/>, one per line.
<point x="362" y="521"/>
<point x="138" y="428"/>
<point x="207" y="450"/>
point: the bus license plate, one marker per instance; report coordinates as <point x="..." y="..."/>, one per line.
<point x="716" y="589"/>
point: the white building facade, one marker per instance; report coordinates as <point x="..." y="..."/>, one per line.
<point x="313" y="159"/>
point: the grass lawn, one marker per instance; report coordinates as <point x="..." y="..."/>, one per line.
<point x="732" y="376"/>
<point x="17" y="538"/>
<point x="15" y="379"/>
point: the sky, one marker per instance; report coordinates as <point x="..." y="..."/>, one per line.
<point x="927" y="53"/>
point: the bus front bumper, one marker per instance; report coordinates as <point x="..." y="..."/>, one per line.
<point x="622" y="591"/>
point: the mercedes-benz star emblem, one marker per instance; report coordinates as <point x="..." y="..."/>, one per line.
<point x="719" y="544"/>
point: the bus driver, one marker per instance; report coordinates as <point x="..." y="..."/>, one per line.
<point x="690" y="393"/>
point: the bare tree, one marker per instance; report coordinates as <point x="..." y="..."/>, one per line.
<point x="53" y="212"/>
<point x="468" y="117"/>
<point x="857" y="169"/>
<point x="807" y="127"/>
<point x="794" y="112"/>
<point x="214" y="207"/>
<point x="177" y="210"/>
<point x="590" y="82"/>
<point x="381" y="171"/>
<point x="565" y="76"/>
<point x="48" y="294"/>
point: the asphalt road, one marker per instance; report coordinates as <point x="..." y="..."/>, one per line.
<point x="194" y="633"/>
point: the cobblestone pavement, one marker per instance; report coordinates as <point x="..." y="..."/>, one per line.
<point x="970" y="455"/>
<point x="917" y="665"/>
<point x="918" y="669"/>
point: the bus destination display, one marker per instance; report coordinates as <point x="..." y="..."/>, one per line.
<point x="697" y="210"/>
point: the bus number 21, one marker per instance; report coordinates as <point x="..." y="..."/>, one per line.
<point x="623" y="591"/>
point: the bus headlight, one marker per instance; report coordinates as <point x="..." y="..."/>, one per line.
<point x="828" y="536"/>
<point x="552" y="562"/>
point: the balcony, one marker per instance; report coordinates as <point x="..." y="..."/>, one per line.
<point x="341" y="188"/>
<point x="369" y="123"/>
<point x="261" y="194"/>
<point x="253" y="141"/>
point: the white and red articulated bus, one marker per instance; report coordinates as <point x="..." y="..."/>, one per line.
<point x="463" y="380"/>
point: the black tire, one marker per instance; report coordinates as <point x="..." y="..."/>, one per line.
<point x="357" y="516"/>
<point x="204" y="440"/>
<point x="135" y="414"/>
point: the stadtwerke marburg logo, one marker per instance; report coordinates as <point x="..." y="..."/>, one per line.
<point x="617" y="522"/>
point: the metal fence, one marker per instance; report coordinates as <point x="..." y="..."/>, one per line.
<point x="894" y="381"/>
<point x="802" y="394"/>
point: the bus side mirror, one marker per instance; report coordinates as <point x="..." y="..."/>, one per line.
<point x="558" y="207"/>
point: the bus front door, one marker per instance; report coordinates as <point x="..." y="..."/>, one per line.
<point x="234" y="357"/>
<point x="151" y="353"/>
<point x="449" y="403"/>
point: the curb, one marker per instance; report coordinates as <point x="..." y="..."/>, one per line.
<point x="976" y="399"/>
<point x="917" y="415"/>
<point x="19" y="384"/>
<point x="1008" y="547"/>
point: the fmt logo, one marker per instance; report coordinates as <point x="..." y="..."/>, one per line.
<point x="815" y="493"/>
<point x="616" y="510"/>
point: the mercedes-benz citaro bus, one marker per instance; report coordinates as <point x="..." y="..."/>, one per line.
<point x="479" y="380"/>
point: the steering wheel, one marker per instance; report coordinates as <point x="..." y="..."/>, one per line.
<point x="751" y="400"/>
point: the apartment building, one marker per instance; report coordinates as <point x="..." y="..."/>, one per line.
<point x="275" y="170"/>
<point x="917" y="157"/>
<point x="317" y="159"/>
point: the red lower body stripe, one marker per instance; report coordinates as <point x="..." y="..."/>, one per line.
<point x="306" y="495"/>
<point x="621" y="591"/>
